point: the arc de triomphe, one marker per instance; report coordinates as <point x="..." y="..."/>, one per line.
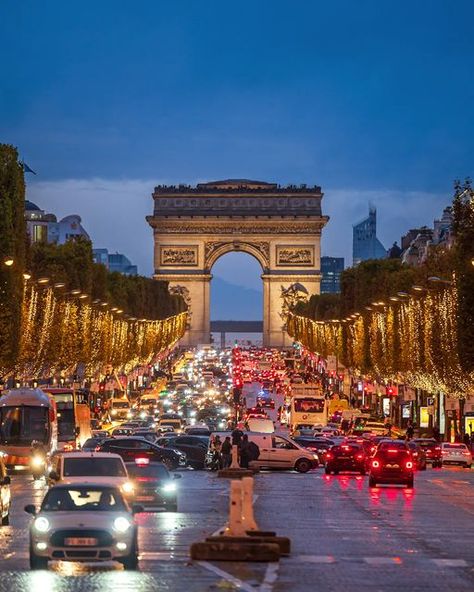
<point x="279" y="226"/>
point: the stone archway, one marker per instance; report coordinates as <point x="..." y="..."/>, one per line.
<point x="194" y="226"/>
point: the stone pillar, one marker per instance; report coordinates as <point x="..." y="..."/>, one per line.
<point x="198" y="287"/>
<point x="274" y="334"/>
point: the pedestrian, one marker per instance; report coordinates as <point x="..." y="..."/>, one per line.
<point x="236" y="436"/>
<point x="410" y="431"/>
<point x="467" y="440"/>
<point x="226" y="453"/>
<point x="436" y="433"/>
<point x="244" y="452"/>
<point x="253" y="451"/>
<point x="216" y="453"/>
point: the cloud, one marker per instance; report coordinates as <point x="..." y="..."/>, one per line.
<point x="113" y="212"/>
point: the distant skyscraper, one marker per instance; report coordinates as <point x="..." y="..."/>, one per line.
<point x="365" y="244"/>
<point x="114" y="261"/>
<point x="331" y="269"/>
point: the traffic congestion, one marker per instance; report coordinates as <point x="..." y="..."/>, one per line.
<point x="90" y="486"/>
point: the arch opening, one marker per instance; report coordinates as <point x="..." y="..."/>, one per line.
<point x="236" y="298"/>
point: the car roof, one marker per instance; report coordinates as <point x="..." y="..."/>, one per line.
<point x="87" y="485"/>
<point x="89" y="455"/>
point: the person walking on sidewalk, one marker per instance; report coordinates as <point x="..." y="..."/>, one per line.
<point x="226" y="453"/>
<point x="410" y="431"/>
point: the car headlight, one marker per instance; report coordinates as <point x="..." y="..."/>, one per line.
<point x="42" y="524"/>
<point x="169" y="487"/>
<point x="127" y="487"/>
<point x="315" y="456"/>
<point x="122" y="524"/>
<point x="37" y="461"/>
<point x="114" y="412"/>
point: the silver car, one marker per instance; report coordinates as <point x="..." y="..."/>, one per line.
<point x="86" y="523"/>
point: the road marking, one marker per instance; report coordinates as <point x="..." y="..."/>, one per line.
<point x="162" y="556"/>
<point x="227" y="576"/>
<point x="450" y="562"/>
<point x="271" y="576"/>
<point x="383" y="560"/>
<point x="315" y="558"/>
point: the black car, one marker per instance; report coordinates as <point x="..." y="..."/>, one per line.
<point x="153" y="485"/>
<point x="392" y="462"/>
<point x="92" y="444"/>
<point x="346" y="457"/>
<point x="419" y="455"/>
<point x="131" y="448"/>
<point x="318" y="445"/>
<point x="195" y="448"/>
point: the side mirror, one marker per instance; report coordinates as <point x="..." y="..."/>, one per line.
<point x="54" y="476"/>
<point x="30" y="509"/>
<point x="136" y="509"/>
<point x="6" y="480"/>
<point x="177" y="476"/>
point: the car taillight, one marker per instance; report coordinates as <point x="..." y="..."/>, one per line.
<point x="392" y="450"/>
<point x="409" y="465"/>
<point x="445" y="452"/>
<point x="328" y="455"/>
<point x="466" y="452"/>
<point x="360" y="456"/>
<point x="438" y="448"/>
<point x="375" y="464"/>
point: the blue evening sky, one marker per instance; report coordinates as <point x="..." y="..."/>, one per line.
<point x="372" y="100"/>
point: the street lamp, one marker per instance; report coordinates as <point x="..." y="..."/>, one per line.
<point x="8" y="261"/>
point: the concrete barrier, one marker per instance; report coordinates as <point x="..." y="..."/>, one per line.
<point x="241" y="539"/>
<point x="235" y="471"/>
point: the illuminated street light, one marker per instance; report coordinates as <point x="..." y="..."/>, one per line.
<point x="8" y="261"/>
<point x="43" y="280"/>
<point x="27" y="276"/>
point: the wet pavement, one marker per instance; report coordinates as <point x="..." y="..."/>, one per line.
<point x="344" y="535"/>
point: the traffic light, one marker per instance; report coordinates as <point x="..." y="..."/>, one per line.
<point x="102" y="387"/>
<point x="391" y="391"/>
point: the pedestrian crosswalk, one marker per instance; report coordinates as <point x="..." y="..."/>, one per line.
<point x="381" y="560"/>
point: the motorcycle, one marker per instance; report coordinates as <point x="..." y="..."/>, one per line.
<point x="38" y="461"/>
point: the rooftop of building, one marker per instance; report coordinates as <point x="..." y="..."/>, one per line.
<point x="236" y="186"/>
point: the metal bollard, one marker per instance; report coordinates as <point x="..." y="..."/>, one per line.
<point x="248" y="518"/>
<point x="235" y="457"/>
<point x="235" y="527"/>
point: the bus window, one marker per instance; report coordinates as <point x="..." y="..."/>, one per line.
<point x="21" y="425"/>
<point x="308" y="405"/>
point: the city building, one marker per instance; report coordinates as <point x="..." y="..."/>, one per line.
<point x="114" y="261"/>
<point x="365" y="244"/>
<point x="417" y="242"/>
<point x="44" y="227"/>
<point x="331" y="269"/>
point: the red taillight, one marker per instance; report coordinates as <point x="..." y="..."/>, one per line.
<point x="392" y="450"/>
<point x="328" y="455"/>
<point x="409" y="465"/>
<point x="466" y="452"/>
<point x="360" y="456"/>
<point x="142" y="461"/>
<point x="345" y="448"/>
<point x="438" y="448"/>
<point x="445" y="452"/>
<point x="375" y="464"/>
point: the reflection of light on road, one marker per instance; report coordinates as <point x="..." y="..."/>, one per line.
<point x="375" y="495"/>
<point x="169" y="520"/>
<point x="344" y="482"/>
<point x="42" y="580"/>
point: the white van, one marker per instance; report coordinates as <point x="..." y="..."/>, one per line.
<point x="277" y="451"/>
<point x="258" y="424"/>
<point x="119" y="409"/>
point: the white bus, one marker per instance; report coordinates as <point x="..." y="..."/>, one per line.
<point x="27" y="416"/>
<point x="308" y="410"/>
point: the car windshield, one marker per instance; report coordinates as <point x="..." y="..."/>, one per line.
<point x="85" y="499"/>
<point x="153" y="471"/>
<point x="21" y="425"/>
<point x="97" y="467"/>
<point x="308" y="405"/>
<point x="386" y="446"/>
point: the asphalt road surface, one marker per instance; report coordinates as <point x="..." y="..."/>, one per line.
<point x="344" y="536"/>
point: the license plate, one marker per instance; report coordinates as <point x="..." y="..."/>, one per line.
<point x="392" y="466"/>
<point x="80" y="541"/>
<point x="344" y="457"/>
<point x="145" y="498"/>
